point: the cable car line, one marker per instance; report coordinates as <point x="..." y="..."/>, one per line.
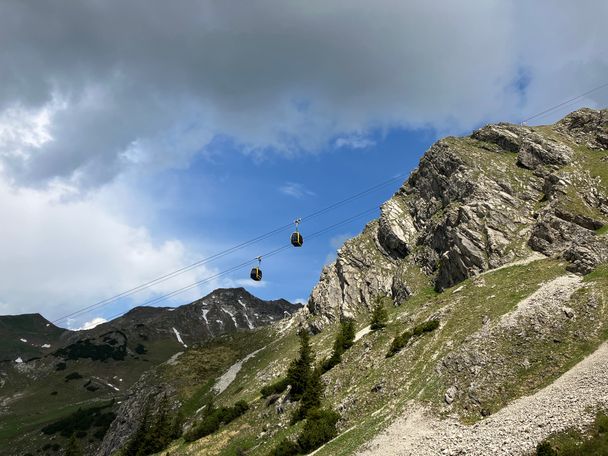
<point x="222" y="273"/>
<point x="230" y="250"/>
<point x="563" y="103"/>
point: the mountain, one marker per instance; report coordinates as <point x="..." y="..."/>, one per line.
<point x="27" y="336"/>
<point x="50" y="372"/>
<point x="491" y="263"/>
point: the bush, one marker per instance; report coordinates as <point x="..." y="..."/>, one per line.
<point x="402" y="339"/>
<point x="140" y="349"/>
<point x="544" y="449"/>
<point x="379" y="314"/>
<point x="285" y="448"/>
<point x="274" y="388"/>
<point x="214" y="418"/>
<point x="319" y="428"/>
<point x="344" y="340"/>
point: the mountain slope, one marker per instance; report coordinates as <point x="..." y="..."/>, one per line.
<point x="27" y="336"/>
<point x="501" y="237"/>
<point x="82" y="369"/>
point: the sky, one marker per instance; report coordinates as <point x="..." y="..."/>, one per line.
<point x="139" y="137"/>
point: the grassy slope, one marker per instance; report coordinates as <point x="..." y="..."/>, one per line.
<point x="19" y="427"/>
<point x="409" y="375"/>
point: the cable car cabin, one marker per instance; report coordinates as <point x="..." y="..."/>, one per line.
<point x="296" y="239"/>
<point x="256" y="274"/>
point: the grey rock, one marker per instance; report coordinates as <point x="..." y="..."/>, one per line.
<point x="450" y="395"/>
<point x="464" y="211"/>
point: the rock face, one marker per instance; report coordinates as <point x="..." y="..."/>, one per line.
<point x="474" y="204"/>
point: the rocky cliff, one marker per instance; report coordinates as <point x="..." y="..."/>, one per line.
<point x="476" y="203"/>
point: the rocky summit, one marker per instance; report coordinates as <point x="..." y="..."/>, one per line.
<point x="477" y="203"/>
<point x="470" y="318"/>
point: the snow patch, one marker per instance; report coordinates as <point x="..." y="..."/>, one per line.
<point x="19" y="360"/>
<point x="362" y="333"/>
<point x="243" y="304"/>
<point x="23" y="340"/>
<point x="46" y="346"/>
<point x="236" y="325"/>
<point x="249" y="324"/>
<point x="179" y="337"/>
<point x="228" y="377"/>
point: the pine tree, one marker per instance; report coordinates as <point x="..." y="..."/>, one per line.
<point x="311" y="399"/>
<point x="348" y="333"/>
<point x="299" y="370"/>
<point x="379" y="316"/>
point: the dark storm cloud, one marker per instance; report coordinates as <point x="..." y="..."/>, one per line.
<point x="151" y="82"/>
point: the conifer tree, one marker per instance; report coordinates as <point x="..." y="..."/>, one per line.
<point x="311" y="399"/>
<point x="379" y="316"/>
<point x="348" y="333"/>
<point x="299" y="370"/>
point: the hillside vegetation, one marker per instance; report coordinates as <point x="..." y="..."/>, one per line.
<point x="485" y="281"/>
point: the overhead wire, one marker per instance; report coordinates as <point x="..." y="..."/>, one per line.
<point x="563" y="103"/>
<point x="244" y="264"/>
<point x="230" y="250"/>
<point x="277" y="230"/>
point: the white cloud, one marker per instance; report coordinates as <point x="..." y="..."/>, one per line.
<point x="281" y="76"/>
<point x="62" y="255"/>
<point x="92" y="323"/>
<point x="295" y="190"/>
<point x="354" y="142"/>
<point x="300" y="301"/>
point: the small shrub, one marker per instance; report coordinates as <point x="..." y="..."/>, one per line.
<point x="379" y="317"/>
<point x="402" y="339"/>
<point x="319" y="428"/>
<point x="345" y="339"/>
<point x="285" y="448"/>
<point x="274" y="388"/>
<point x="140" y="349"/>
<point x="60" y="366"/>
<point x="331" y="362"/>
<point x="214" y="419"/>
<point x="544" y="449"/>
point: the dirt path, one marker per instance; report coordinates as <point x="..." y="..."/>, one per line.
<point x="515" y="430"/>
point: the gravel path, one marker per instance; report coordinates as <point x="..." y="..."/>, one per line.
<point x="515" y="430"/>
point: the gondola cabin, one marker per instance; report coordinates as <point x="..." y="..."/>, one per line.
<point x="256" y="274"/>
<point x="296" y="239"/>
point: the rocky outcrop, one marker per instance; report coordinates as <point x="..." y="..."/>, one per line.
<point x="146" y="398"/>
<point x="474" y="204"/>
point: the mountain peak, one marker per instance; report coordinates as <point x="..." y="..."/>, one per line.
<point x="476" y="203"/>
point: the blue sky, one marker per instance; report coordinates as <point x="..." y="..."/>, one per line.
<point x="126" y="154"/>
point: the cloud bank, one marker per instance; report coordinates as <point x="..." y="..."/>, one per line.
<point x="101" y="87"/>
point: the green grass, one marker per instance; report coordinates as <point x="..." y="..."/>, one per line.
<point x="593" y="442"/>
